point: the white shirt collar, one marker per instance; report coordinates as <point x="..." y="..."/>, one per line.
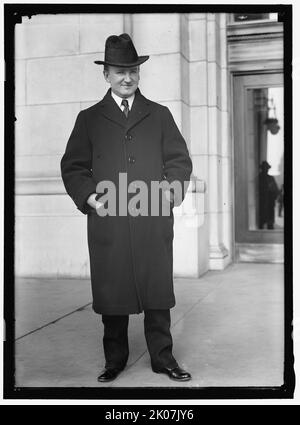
<point x="119" y="99"/>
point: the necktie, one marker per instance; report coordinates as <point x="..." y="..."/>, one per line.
<point x="126" y="107"/>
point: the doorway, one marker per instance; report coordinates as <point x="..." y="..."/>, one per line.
<point x="258" y="167"/>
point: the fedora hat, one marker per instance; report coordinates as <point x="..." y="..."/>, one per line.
<point x="265" y="165"/>
<point x="120" y="51"/>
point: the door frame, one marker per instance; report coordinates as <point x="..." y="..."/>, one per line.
<point x="241" y="83"/>
<point x="254" y="48"/>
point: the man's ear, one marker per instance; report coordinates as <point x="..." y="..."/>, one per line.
<point x="106" y="76"/>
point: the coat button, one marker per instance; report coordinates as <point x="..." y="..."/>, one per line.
<point x="128" y="137"/>
<point x="131" y="159"/>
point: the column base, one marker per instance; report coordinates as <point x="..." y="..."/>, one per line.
<point x="218" y="257"/>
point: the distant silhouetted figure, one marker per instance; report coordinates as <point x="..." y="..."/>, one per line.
<point x="268" y="193"/>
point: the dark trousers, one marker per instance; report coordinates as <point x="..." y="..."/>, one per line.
<point x="157" y="333"/>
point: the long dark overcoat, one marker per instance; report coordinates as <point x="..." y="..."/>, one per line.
<point x="131" y="257"/>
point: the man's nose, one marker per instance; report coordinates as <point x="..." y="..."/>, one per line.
<point x="128" y="78"/>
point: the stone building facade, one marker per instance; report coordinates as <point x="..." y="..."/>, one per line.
<point x="192" y="57"/>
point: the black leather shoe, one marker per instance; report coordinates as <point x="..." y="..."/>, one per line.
<point x="108" y="374"/>
<point x="176" y="373"/>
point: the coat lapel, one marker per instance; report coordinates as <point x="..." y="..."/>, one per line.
<point x="140" y="109"/>
<point x="110" y="110"/>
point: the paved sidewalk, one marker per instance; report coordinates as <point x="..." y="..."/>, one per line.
<point x="227" y="327"/>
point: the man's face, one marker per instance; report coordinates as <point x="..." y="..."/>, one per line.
<point x="123" y="81"/>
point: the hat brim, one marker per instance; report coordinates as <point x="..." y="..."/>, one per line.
<point x="141" y="59"/>
<point x="268" y="166"/>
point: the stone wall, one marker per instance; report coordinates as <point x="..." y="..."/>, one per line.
<point x="55" y="78"/>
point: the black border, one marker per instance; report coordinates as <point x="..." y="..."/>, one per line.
<point x="12" y="15"/>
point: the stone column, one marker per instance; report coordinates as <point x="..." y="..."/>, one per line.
<point x="208" y="117"/>
<point x="218" y="143"/>
<point x="195" y="126"/>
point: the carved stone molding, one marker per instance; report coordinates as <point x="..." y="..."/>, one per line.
<point x="261" y="29"/>
<point x="255" y="46"/>
<point x="39" y="186"/>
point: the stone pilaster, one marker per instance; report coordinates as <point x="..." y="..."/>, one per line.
<point x="218" y="143"/>
<point x="206" y="50"/>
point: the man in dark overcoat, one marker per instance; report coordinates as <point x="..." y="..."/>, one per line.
<point x="128" y="142"/>
<point x="268" y="192"/>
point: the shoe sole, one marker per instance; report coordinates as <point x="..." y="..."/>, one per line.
<point x="174" y="379"/>
<point x="106" y="380"/>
